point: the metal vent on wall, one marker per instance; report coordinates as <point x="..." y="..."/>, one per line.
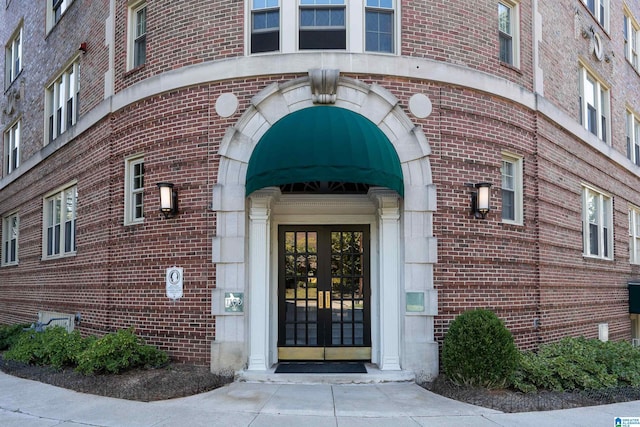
<point x="48" y="319"/>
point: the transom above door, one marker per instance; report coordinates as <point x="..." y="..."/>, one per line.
<point x="324" y="292"/>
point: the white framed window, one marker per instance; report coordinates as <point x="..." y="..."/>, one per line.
<point x="134" y="190"/>
<point x="322" y="24"/>
<point x="379" y="24"/>
<point x="633" y="137"/>
<point x="508" y="32"/>
<point x="634" y="235"/>
<point x="631" y="32"/>
<point x="594" y="105"/>
<point x="137" y="35"/>
<point x="62" y="98"/>
<point x="59" y="223"/>
<point x="12" y="148"/>
<point x="600" y="11"/>
<point x="265" y="26"/>
<point x="597" y="223"/>
<point x="512" y="189"/>
<point x="10" y="231"/>
<point x="13" y="57"/>
<point x="292" y="26"/>
<point x="55" y="10"/>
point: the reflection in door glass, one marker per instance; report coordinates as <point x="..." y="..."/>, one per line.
<point x="300" y="277"/>
<point x="347" y="279"/>
<point x="323" y="291"/>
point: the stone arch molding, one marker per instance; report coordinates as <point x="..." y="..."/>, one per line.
<point x="231" y="243"/>
<point x="372" y="101"/>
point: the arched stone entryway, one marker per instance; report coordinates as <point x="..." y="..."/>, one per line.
<point x="243" y="246"/>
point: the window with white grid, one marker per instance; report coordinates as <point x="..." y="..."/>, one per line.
<point x="597" y="223"/>
<point x="10" y="230"/>
<point x="134" y="190"/>
<point x="59" y="225"/>
<point x="62" y="98"/>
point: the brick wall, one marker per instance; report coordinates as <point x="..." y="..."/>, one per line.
<point x="577" y="292"/>
<point x="483" y="263"/>
<point x="45" y="54"/>
<point x="180" y="34"/>
<point x="523" y="272"/>
<point x="117" y="278"/>
<point x="443" y="31"/>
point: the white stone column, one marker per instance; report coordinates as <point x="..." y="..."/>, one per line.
<point x="420" y="248"/>
<point x="259" y="273"/>
<point x="389" y="264"/>
<point x="229" y="349"/>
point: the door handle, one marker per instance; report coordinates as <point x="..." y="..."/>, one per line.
<point x="327" y="299"/>
<point x="320" y="299"/>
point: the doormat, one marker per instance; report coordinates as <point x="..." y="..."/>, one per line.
<point x="321" y="368"/>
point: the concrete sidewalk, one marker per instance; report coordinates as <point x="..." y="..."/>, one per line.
<point x="28" y="403"/>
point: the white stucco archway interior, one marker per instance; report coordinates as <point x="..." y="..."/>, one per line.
<point x="403" y="248"/>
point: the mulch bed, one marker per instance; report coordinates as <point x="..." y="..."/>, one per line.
<point x="543" y="400"/>
<point x="179" y="380"/>
<point x="171" y="381"/>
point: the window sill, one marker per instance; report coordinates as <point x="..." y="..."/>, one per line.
<point x="596" y="258"/>
<point x="593" y="136"/>
<point x="637" y="71"/>
<point x="134" y="70"/>
<point x="9" y="264"/>
<point x="11" y="172"/>
<point x="10" y="85"/>
<point x="64" y="134"/>
<point x="315" y="51"/>
<point x="511" y="67"/>
<point x="513" y="223"/>
<point x="56" y="257"/>
<point x="375" y="52"/>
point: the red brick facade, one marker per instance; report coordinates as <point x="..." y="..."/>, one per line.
<point x="534" y="275"/>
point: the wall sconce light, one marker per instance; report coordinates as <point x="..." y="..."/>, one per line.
<point x="83" y="47"/>
<point x="480" y="200"/>
<point x="168" y="199"/>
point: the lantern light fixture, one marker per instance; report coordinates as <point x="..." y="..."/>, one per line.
<point x="481" y="200"/>
<point x="168" y="199"/>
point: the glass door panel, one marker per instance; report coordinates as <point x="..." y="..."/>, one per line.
<point x="347" y="280"/>
<point x="324" y="292"/>
<point x="301" y="293"/>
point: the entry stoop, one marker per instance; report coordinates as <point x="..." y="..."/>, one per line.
<point x="373" y="376"/>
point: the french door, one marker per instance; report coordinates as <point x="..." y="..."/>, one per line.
<point x="324" y="293"/>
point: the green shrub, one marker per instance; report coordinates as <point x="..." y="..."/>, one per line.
<point x="54" y="346"/>
<point x="9" y="335"/>
<point x="112" y="353"/>
<point x="579" y="364"/>
<point x="117" y="352"/>
<point x="27" y="349"/>
<point x="479" y="350"/>
<point x="63" y="349"/>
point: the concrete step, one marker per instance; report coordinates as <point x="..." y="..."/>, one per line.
<point x="373" y="376"/>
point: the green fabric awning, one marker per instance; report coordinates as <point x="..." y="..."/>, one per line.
<point x="324" y="144"/>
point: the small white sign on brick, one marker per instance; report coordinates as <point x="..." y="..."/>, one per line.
<point x="174" y="283"/>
